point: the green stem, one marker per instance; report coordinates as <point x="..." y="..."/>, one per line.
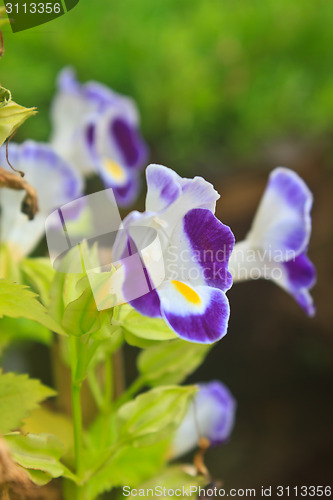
<point x="133" y="389"/>
<point x="108" y="383"/>
<point x="95" y="389"/>
<point x="76" y="384"/>
<point x="77" y="424"/>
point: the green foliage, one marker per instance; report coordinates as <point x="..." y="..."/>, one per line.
<point x="212" y="79"/>
<point x="17" y="301"/>
<point x="38" y="273"/>
<point x="143" y="331"/>
<point x="171" y="362"/>
<point x="154" y="415"/>
<point x="81" y="316"/>
<point x="127" y="465"/>
<point x="12" y="115"/>
<point x="39" y="455"/>
<point x="19" y="395"/>
<point x="21" y="329"/>
<point x="9" y="268"/>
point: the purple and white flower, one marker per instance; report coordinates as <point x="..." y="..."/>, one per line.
<point x="276" y="246"/>
<point x="97" y="130"/>
<point x="196" y="248"/>
<point x="56" y="183"/>
<point x="211" y="415"/>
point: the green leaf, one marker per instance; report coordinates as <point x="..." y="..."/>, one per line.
<point x="147" y="328"/>
<point x="39" y="454"/>
<point x="171" y="362"/>
<point x="5" y="95"/>
<point x="44" y="421"/>
<point x="8" y="265"/>
<point x="154" y="415"/>
<point x="12" y="115"/>
<point x="38" y="273"/>
<point x="19" y="395"/>
<point x="129" y="466"/>
<point x="17" y="301"/>
<point x="81" y="316"/>
<point x="18" y="329"/>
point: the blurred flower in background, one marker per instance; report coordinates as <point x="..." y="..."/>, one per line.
<point x="210" y="416"/>
<point x="97" y="130"/>
<point x="55" y="182"/>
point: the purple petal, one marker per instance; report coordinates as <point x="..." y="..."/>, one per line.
<point x="126" y="195"/>
<point x="283" y="223"/>
<point x="148" y="305"/>
<point x="175" y="196"/>
<point x="204" y="323"/>
<point x="129" y="141"/>
<point x="300" y="278"/>
<point x="162" y="187"/>
<point x="212" y="243"/>
<point x="212" y="415"/>
<point x="223" y="407"/>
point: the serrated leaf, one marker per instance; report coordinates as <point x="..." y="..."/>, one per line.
<point x="17" y="301"/>
<point x="171" y="362"/>
<point x="19" y="395"/>
<point x="39" y="454"/>
<point x="154" y="415"/>
<point x="147" y="328"/>
<point x="129" y="466"/>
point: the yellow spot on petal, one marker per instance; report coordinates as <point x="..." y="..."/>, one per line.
<point x="187" y="292"/>
<point x="117" y="172"/>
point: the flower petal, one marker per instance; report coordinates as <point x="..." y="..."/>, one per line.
<point x="197" y="314"/>
<point x="211" y="415"/>
<point x="202" y="245"/>
<point x="118" y="137"/>
<point x="174" y="196"/>
<point x="56" y="183"/>
<point x="283" y="222"/>
<point x="298" y="279"/>
<point x="295" y="276"/>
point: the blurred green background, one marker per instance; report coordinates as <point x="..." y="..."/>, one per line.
<point x="218" y="83"/>
<point x="227" y="89"/>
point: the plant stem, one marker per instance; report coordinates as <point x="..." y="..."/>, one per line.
<point x="95" y="389"/>
<point x="77" y="425"/>
<point x="108" y="383"/>
<point x="133" y="389"/>
<point x="76" y="384"/>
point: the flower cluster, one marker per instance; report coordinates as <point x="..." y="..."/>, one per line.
<point x="185" y="262"/>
